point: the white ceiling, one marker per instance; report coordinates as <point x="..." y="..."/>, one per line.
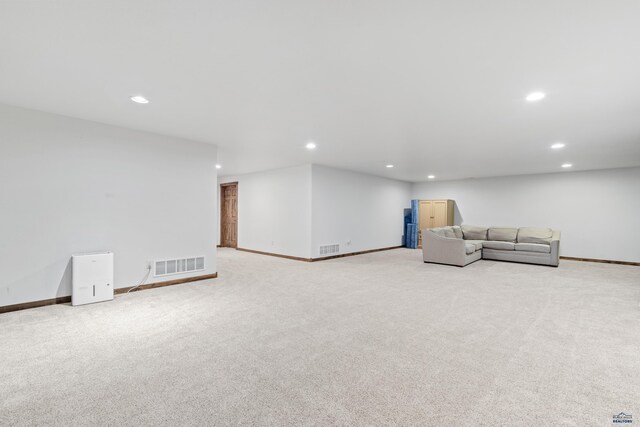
<point x="434" y="87"/>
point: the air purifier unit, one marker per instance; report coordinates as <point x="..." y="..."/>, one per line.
<point x="92" y="278"/>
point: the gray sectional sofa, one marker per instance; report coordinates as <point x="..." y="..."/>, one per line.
<point x="462" y="245"/>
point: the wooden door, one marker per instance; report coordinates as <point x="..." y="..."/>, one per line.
<point x="440" y="217"/>
<point x="229" y="215"/>
<point x="425" y="217"/>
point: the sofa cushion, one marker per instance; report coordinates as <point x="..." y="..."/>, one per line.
<point x="533" y="247"/>
<point x="502" y="234"/>
<point x="476" y="243"/>
<point x="458" y="231"/>
<point x="534" y="235"/>
<point x="504" y="246"/>
<point x="448" y="232"/>
<point x="438" y="231"/>
<point x="469" y="248"/>
<point x="470" y="232"/>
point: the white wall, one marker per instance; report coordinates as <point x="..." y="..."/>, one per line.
<point x="69" y="186"/>
<point x="357" y="211"/>
<point x="274" y="211"/>
<point x="293" y="211"/>
<point x="598" y="212"/>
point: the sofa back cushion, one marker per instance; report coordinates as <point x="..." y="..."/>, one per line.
<point x="444" y="232"/>
<point x="535" y="235"/>
<point x="470" y="232"/>
<point x="503" y="234"/>
<point x="448" y="232"/>
<point x="438" y="231"/>
<point x="457" y="231"/>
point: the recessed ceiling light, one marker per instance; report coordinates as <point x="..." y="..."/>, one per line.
<point x="535" y="96"/>
<point x="557" y="145"/>
<point x="218" y="166"/>
<point x="310" y="145"/>
<point x="566" y="165"/>
<point x="389" y="166"/>
<point x="431" y="176"/>
<point x="140" y="99"/>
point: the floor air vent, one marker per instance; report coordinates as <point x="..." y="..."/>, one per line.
<point x="176" y="266"/>
<point x="329" y="249"/>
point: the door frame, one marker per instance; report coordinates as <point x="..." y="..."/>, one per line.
<point x="222" y="188"/>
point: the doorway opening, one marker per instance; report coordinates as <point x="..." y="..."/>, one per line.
<point x="229" y="215"/>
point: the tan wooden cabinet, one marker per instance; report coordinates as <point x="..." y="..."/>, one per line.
<point x="434" y="213"/>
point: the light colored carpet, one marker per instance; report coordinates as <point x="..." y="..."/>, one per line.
<point x="377" y="339"/>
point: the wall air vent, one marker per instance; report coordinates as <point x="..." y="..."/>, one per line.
<point x="329" y="249"/>
<point x="176" y="266"/>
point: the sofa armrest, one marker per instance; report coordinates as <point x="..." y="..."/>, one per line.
<point x="442" y="250"/>
<point x="555" y="248"/>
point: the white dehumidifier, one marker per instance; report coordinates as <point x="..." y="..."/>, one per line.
<point x="92" y="278"/>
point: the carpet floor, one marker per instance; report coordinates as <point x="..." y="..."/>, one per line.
<point x="376" y="339"/>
